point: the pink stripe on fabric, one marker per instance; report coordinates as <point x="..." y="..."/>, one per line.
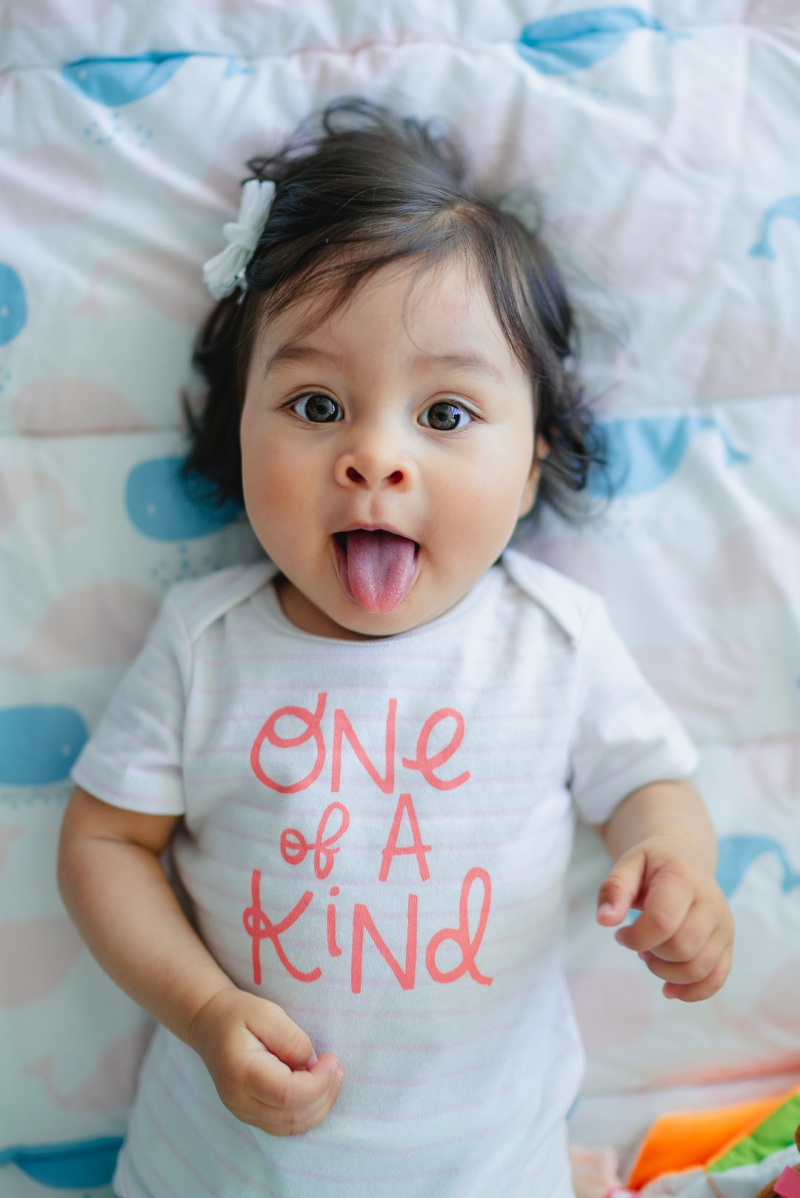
<point x="226" y="1160"/>
<point x="127" y="1173"/>
<point x="364" y="1149"/>
<point x="112" y="718"/>
<point x="419" y="688"/>
<point x="243" y="1133"/>
<point x="381" y="1150"/>
<point x="158" y="1129"/>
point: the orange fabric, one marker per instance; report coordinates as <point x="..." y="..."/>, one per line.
<point x="691" y="1139"/>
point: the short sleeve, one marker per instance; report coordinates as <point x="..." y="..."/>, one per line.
<point x="133" y="759"/>
<point x="624" y="735"/>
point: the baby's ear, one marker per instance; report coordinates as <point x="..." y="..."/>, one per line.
<point x="541" y="450"/>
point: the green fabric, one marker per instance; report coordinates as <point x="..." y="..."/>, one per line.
<point x="776" y="1132"/>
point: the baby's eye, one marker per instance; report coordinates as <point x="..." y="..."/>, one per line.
<point x="319" y="409"/>
<point x="445" y="416"/>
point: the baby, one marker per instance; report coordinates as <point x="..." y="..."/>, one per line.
<point x="365" y="755"/>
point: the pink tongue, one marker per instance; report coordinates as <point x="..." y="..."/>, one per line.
<point x="380" y="568"/>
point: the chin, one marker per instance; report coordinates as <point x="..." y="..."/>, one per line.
<point x="375" y="624"/>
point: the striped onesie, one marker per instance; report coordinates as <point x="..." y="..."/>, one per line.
<point x="375" y="836"/>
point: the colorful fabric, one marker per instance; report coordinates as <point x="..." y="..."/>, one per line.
<point x="716" y="1141"/>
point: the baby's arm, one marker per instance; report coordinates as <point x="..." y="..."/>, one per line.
<point x="664" y="849"/>
<point x="115" y="889"/>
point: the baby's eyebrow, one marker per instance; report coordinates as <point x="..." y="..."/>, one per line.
<point x="470" y="363"/>
<point x="292" y="352"/>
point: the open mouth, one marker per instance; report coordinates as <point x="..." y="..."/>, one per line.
<point x="376" y="568"/>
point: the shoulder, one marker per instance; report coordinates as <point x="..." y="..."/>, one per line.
<point x="198" y="603"/>
<point x="568" y="604"/>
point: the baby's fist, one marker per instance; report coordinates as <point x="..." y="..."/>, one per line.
<point x="684" y="933"/>
<point x="263" y="1065"/>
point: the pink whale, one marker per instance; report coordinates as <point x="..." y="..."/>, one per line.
<point x="777" y="1004"/>
<point x="710" y="679"/>
<point x="643" y="248"/>
<point x="710" y="129"/>
<point x="104" y="623"/>
<point x="112" y="1082"/>
<point x="37" y="955"/>
<point x="773" y="765"/>
<point x="772" y="14"/>
<point x="754" y="563"/>
<point x="47" y="184"/>
<point x="9" y="80"/>
<point x="736" y="359"/>
<point x="612" y="1006"/>
<point x="572" y="558"/>
<point x="220" y="188"/>
<point x="61" y="407"/>
<point x="170" y="280"/>
<point x="510" y="145"/>
<point x="18" y="486"/>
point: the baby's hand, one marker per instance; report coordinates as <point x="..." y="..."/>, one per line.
<point x="263" y="1064"/>
<point x="685" y="931"/>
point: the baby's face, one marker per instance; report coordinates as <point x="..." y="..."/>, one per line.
<point x="387" y="453"/>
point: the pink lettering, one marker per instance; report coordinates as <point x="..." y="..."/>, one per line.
<point x="260" y="927"/>
<point x="468" y="948"/>
<point x="405" y="804"/>
<point x="363" y="921"/>
<point x="294" y="846"/>
<point x="425" y="764"/>
<point x="341" y="728"/>
<point x="333" y="947"/>
<point x="313" y="723"/>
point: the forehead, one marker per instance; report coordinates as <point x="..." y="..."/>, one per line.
<point x="435" y="309"/>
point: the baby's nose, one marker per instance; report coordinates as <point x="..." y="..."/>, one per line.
<point x="374" y="462"/>
<point x="355" y="476"/>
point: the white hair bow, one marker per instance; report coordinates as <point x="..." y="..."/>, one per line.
<point x="224" y="272"/>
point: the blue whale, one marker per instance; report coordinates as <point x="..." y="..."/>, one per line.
<point x="789" y="206"/>
<point x="162" y="506"/>
<point x="644" y="451"/>
<point x="39" y="744"/>
<point x="74" y="1165"/>
<point x="737" y="854"/>
<point x="118" y="81"/>
<point x="13" y="304"/>
<point x="576" y="40"/>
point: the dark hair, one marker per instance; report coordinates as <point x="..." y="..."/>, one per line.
<point x="359" y="188"/>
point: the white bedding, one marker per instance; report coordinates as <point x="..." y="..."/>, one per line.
<point x="661" y="139"/>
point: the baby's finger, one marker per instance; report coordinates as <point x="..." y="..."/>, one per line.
<point x="665" y="906"/>
<point x="288" y="1103"/>
<point x="620" y="888"/>
<point x="695" y="969"/>
<point x="692" y="937"/>
<point x="697" y="991"/>
<point x="270" y="1024"/>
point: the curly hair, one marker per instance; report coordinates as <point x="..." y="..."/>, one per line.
<point x="358" y="188"/>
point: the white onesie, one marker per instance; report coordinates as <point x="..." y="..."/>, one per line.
<point x="375" y="837"/>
